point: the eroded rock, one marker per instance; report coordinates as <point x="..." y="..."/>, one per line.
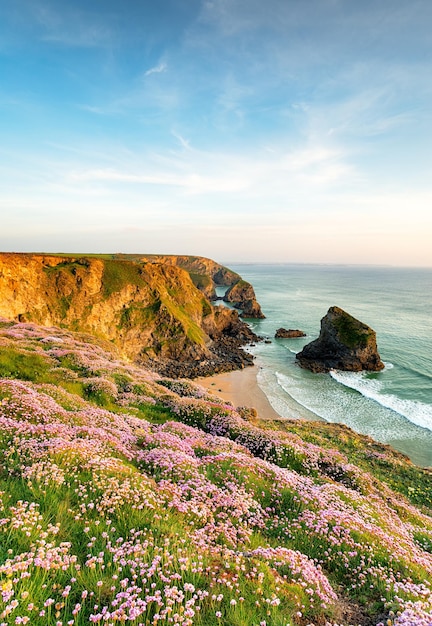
<point x="284" y="333"/>
<point x="344" y="343"/>
<point x="242" y="296"/>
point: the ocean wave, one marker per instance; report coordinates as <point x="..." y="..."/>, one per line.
<point x="415" y="411"/>
<point x="284" y="404"/>
<point x="295" y="390"/>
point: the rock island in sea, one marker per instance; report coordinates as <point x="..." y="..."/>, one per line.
<point x="344" y="343"/>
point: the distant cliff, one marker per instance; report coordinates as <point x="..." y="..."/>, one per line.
<point x="206" y="274"/>
<point x="151" y="311"/>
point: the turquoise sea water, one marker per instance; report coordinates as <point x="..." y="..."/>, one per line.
<point x="393" y="406"/>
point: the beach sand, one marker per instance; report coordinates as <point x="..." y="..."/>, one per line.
<point x="241" y="389"/>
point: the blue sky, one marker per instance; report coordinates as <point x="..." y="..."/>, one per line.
<point x="242" y="130"/>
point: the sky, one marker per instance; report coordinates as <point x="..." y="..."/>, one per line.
<point x="241" y="130"/>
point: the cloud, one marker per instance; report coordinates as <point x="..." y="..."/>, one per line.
<point x="157" y="69"/>
<point x="94" y="109"/>
<point x="270" y="176"/>
<point x="183" y="142"/>
<point x="86" y="38"/>
<point x="192" y="183"/>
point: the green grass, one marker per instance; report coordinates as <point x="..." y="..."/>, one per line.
<point x="118" y="274"/>
<point x="139" y="314"/>
<point x="25" y="365"/>
<point x="351" y="332"/>
<point x="382" y="462"/>
<point x="201" y="281"/>
<point x="69" y="266"/>
<point x="87" y="506"/>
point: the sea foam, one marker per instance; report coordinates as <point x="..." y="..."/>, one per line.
<point x="415" y="411"/>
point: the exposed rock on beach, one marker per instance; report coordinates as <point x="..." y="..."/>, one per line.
<point x="344" y="343"/>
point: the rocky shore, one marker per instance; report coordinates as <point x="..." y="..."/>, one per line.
<point x="227" y="354"/>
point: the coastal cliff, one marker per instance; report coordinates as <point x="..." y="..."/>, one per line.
<point x="344" y="343"/>
<point x="151" y="311"/>
<point x="206" y="274"/>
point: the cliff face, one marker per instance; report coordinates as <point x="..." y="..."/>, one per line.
<point x="151" y="311"/>
<point x="207" y="274"/>
<point x="344" y="343"/>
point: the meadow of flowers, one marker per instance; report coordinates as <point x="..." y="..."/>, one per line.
<point x="129" y="498"/>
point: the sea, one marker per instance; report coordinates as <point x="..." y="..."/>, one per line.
<point x="393" y="406"/>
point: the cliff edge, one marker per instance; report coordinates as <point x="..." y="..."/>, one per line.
<point x="206" y="275"/>
<point x="151" y="311"/>
<point x="344" y="343"/>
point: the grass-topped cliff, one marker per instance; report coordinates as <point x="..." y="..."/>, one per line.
<point x="344" y="343"/>
<point x="205" y="273"/>
<point x="151" y="310"/>
<point x="130" y="498"/>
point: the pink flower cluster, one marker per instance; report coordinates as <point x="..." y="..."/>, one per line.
<point x="106" y="518"/>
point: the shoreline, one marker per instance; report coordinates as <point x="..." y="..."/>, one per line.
<point x="240" y="387"/>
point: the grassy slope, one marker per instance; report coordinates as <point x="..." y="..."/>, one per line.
<point x="130" y="498"/>
<point x="180" y="311"/>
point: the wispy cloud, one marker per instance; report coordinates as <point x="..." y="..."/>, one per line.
<point x="198" y="172"/>
<point x="182" y="141"/>
<point x="157" y="69"/>
<point x="79" y="38"/>
<point x="97" y="110"/>
<point x="192" y="183"/>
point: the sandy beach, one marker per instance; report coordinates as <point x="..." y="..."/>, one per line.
<point x="241" y="389"/>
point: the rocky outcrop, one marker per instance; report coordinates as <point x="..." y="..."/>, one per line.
<point x="284" y="333"/>
<point x="344" y="343"/>
<point x="197" y="265"/>
<point x="228" y="334"/>
<point x="242" y="296"/>
<point x="151" y="311"/>
<point x="205" y="284"/>
<point x="206" y="275"/>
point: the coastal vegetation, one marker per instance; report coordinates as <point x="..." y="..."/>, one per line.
<point x="351" y="332"/>
<point x="128" y="497"/>
<point x="152" y="310"/>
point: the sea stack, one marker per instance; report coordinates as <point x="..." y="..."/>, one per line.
<point x="242" y="295"/>
<point x="344" y="343"/>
